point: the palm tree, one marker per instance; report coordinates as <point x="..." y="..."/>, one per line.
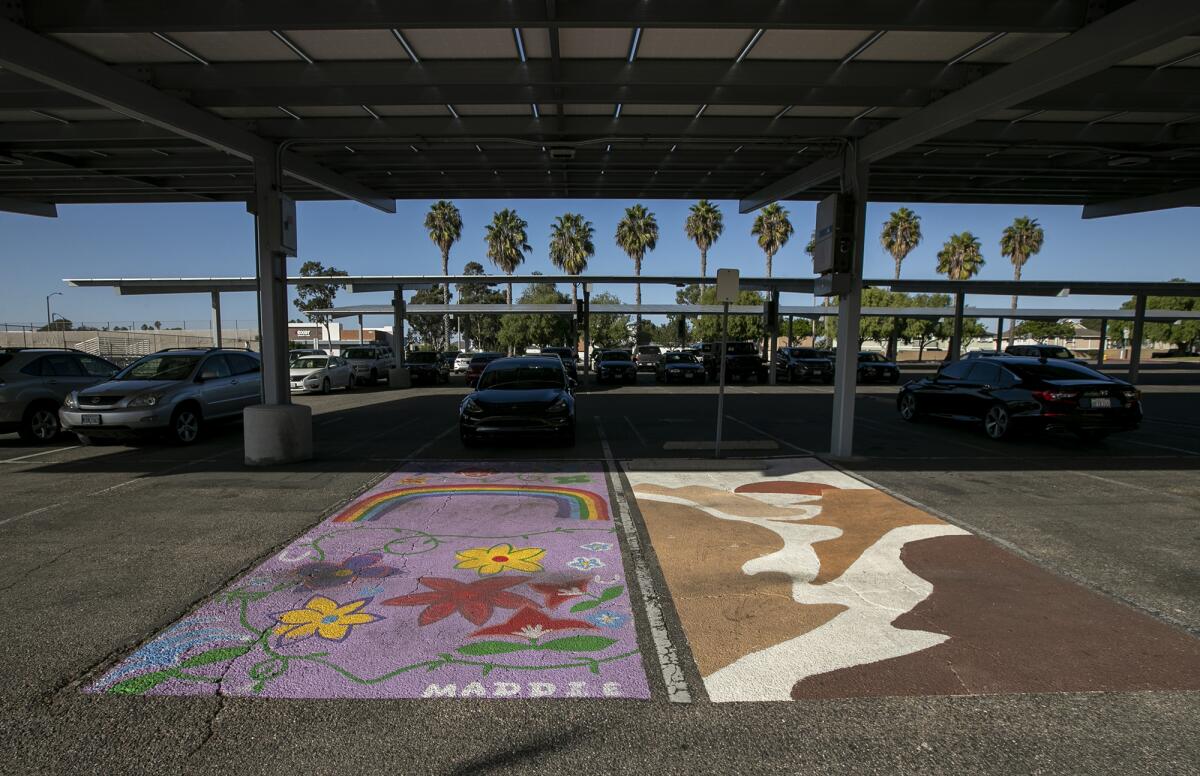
<point x="444" y="223"/>
<point x="772" y="228"/>
<point x="637" y="233"/>
<point x="1020" y="240"/>
<point x="571" y="246"/>
<point x="901" y="234"/>
<point x="960" y="258"/>
<point x="704" y="225"/>
<point x="507" y="242"/>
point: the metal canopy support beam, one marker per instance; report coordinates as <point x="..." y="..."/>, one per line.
<point x="841" y="443"/>
<point x="1165" y="201"/>
<point x="956" y="338"/>
<point x="54" y="64"/>
<point x="216" y="319"/>
<point x="1135" y="347"/>
<point x="999" y="334"/>
<point x="1103" y="342"/>
<point x="26" y="208"/>
<point x="1134" y="29"/>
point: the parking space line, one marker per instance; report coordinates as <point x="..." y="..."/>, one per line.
<point x="668" y="661"/>
<point x="35" y="455"/>
<point x="636" y="433"/>
<point x="1155" y="491"/>
<point x="768" y="435"/>
<point x="1162" y="447"/>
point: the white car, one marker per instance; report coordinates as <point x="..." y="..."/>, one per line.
<point x="312" y="374"/>
<point x="462" y="361"/>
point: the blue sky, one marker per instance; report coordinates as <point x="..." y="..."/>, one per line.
<point x="217" y="239"/>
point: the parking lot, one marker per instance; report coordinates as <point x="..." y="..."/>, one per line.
<point x="105" y="547"/>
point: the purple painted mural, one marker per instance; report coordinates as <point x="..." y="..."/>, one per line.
<point x="447" y="580"/>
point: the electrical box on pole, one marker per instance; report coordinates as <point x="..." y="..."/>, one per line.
<point x="288" y="242"/>
<point x="833" y="240"/>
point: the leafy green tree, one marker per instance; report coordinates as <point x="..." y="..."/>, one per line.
<point x="1020" y="240"/>
<point x="703" y="226"/>
<point x="64" y="324"/>
<point x="318" y="296"/>
<point x="901" y="234"/>
<point x="482" y="331"/>
<point x="571" y="245"/>
<point x="1044" y="330"/>
<point x="926" y="331"/>
<point x="607" y="330"/>
<point x="772" y="228"/>
<point x="444" y="224"/>
<point x="797" y="330"/>
<point x="519" y="331"/>
<point x="707" y="328"/>
<point x="428" y="329"/>
<point x="960" y="258"/>
<point x="972" y="330"/>
<point x="1184" y="335"/>
<point x="507" y="242"/>
<point x="637" y="234"/>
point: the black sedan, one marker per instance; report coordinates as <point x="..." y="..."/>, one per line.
<point x="875" y="368"/>
<point x="527" y="396"/>
<point x="616" y="366"/>
<point x="425" y="366"/>
<point x="799" y="364"/>
<point x="679" y="368"/>
<point x="1010" y="393"/>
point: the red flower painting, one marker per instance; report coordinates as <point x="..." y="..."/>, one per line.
<point x="554" y="593"/>
<point x="475" y="601"/>
<point x="531" y="624"/>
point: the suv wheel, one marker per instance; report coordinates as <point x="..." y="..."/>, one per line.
<point x="997" y="423"/>
<point x="40" y="424"/>
<point x="185" y="425"/>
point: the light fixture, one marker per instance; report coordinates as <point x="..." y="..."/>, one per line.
<point x="295" y="49"/>
<point x="282" y="109"/>
<point x="700" y="112"/>
<point x="782" y="113"/>
<point x="399" y="36"/>
<point x="617" y="112"/>
<point x="351" y="150"/>
<point x="477" y="148"/>
<point x="179" y="47"/>
<point x="866" y="44"/>
<point x="634" y="40"/>
<point x="520" y="43"/>
<point x="370" y="112"/>
<point x="739" y="148"/>
<point x="534" y="106"/>
<point x="977" y="48"/>
<point x="864" y="114"/>
<point x="674" y="147"/>
<point x="415" y="150"/>
<point x="748" y="46"/>
<point x="453" y="112"/>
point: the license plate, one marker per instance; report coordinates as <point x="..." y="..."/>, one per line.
<point x="89" y="420"/>
<point x="1100" y="404"/>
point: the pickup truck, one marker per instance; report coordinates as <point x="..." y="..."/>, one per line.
<point x="741" y="361"/>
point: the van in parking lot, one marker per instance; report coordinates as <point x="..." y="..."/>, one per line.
<point x="368" y="362"/>
<point x="177" y="392"/>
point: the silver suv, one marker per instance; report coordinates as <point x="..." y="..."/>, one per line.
<point x="369" y="363"/>
<point x="176" y="391"/>
<point x="34" y="382"/>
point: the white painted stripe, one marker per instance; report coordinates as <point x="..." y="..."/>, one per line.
<point x="636" y="433"/>
<point x="668" y="660"/>
<point x="35" y="455"/>
<point x="1162" y="447"/>
<point x="769" y="435"/>
<point x="744" y="444"/>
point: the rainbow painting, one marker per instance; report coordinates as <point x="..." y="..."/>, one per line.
<point x="571" y="503"/>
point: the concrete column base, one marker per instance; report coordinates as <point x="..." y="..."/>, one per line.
<point x="277" y="433"/>
<point x="399" y="378"/>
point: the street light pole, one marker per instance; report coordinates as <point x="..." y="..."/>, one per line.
<point x="49" y="321"/>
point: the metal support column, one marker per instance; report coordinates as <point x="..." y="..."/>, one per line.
<point x="1135" y="347"/>
<point x="216" y="319"/>
<point x="999" y="334"/>
<point x="398" y="315"/>
<point x="854" y="181"/>
<point x="773" y="328"/>
<point x="360" y="330"/>
<point x="1103" y="342"/>
<point x="956" y="337"/>
<point x="587" y="331"/>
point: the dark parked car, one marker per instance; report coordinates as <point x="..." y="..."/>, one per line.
<point x="1044" y="351"/>
<point x="875" y="368"/>
<point x="679" y="368"/>
<point x="479" y="362"/>
<point x="800" y="364"/>
<point x="530" y="395"/>
<point x="569" y="359"/>
<point x="426" y="366"/>
<point x="1012" y="393"/>
<point x="741" y="361"/>
<point x="616" y="366"/>
<point x="647" y="357"/>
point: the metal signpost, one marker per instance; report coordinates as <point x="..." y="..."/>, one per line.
<point x="727" y="292"/>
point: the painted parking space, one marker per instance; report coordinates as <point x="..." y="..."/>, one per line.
<point x="445" y="580"/>
<point x="793" y="580"/>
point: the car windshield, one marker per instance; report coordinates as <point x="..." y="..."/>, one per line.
<point x="872" y="357"/>
<point x="160" y="368"/>
<point x="741" y="349"/>
<point x="483" y="358"/>
<point x="615" y="355"/>
<point x="516" y="378"/>
<point x="310" y="362"/>
<point x="1054" y="372"/>
<point x="423" y="357"/>
<point x="805" y="353"/>
<point x="360" y="353"/>
<point x="679" y="358"/>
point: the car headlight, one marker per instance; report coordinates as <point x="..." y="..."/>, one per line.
<point x="559" y="406"/>
<point x="145" y="400"/>
<point x="71" y="402"/>
<point x="471" y="408"/>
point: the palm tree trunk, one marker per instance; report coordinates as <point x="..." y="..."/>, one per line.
<point x="1012" y="317"/>
<point x="770" y="256"/>
<point x="446" y="300"/>
<point x="703" y="265"/>
<point x="898" y="260"/>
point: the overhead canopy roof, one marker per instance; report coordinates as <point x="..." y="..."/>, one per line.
<point x="603" y="98"/>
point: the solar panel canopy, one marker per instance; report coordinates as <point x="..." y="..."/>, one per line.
<point x="704" y="98"/>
